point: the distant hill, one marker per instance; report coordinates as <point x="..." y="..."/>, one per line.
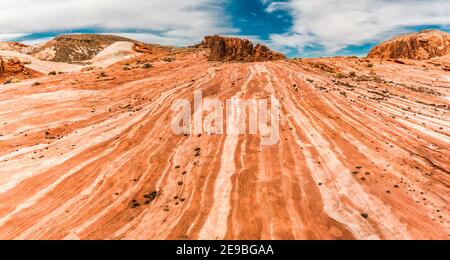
<point x="74" y="48"/>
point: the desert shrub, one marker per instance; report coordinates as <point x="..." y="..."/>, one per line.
<point x="169" y="59"/>
<point x="134" y="204"/>
<point x="10" y="81"/>
<point x="340" y="75"/>
<point x="151" y="196"/>
<point x="323" y="67"/>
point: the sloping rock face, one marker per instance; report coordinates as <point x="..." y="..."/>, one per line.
<point x="74" y="48"/>
<point x="227" y="49"/>
<point x="418" y="46"/>
<point x="349" y="149"/>
<point x="362" y="151"/>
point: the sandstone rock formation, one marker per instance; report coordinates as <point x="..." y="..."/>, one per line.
<point x="235" y="49"/>
<point x="11" y="66"/>
<point x="363" y="151"/>
<point x="14" y="68"/>
<point x="423" y="45"/>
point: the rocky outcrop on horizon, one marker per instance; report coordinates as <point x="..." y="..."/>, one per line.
<point x="423" y="45"/>
<point x="228" y="49"/>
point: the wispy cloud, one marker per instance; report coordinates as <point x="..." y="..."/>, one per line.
<point x="337" y="24"/>
<point x="184" y="21"/>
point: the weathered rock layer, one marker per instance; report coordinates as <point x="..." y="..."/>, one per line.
<point x="424" y="45"/>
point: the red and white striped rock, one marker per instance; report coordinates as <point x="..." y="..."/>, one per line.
<point x="364" y="153"/>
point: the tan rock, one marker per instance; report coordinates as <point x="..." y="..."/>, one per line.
<point x="423" y="45"/>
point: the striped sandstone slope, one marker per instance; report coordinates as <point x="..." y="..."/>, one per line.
<point x="363" y="154"/>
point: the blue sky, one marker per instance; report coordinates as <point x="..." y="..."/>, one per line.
<point x="301" y="28"/>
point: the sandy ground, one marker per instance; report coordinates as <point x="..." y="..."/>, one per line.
<point x="364" y="156"/>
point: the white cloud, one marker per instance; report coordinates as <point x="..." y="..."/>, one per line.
<point x="335" y="24"/>
<point x="4" y="37"/>
<point x="179" y="20"/>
